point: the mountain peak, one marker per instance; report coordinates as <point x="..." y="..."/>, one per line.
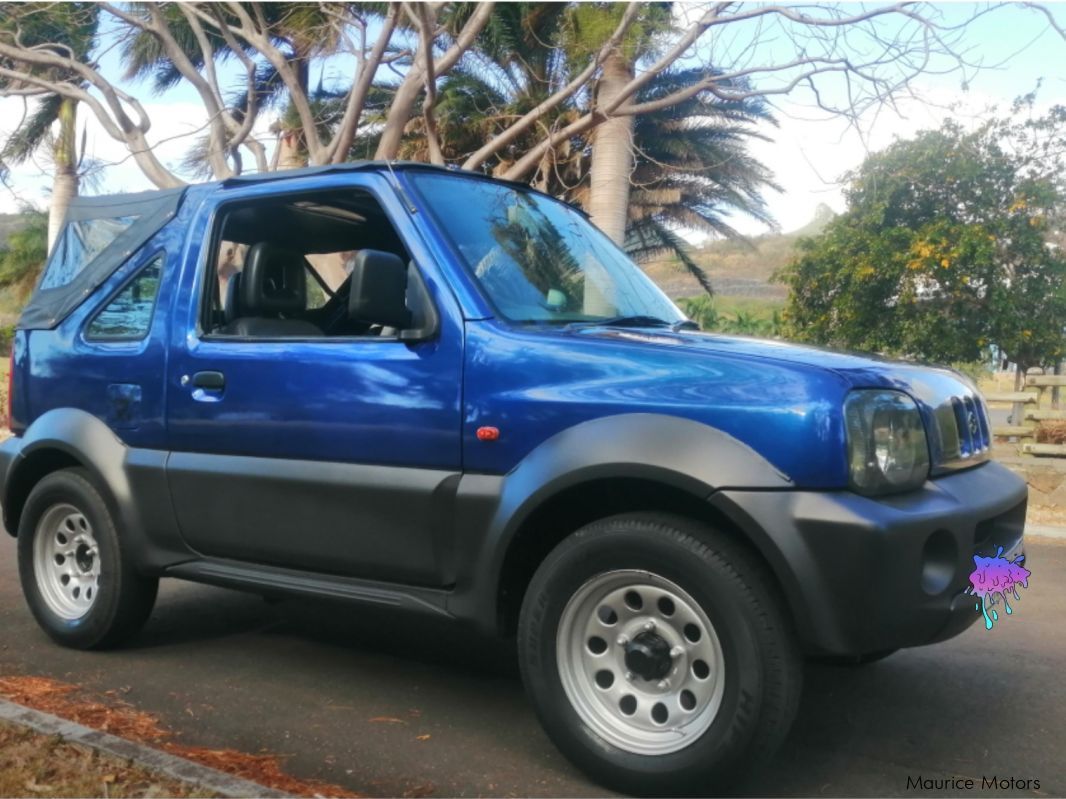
<point x="823" y="215"/>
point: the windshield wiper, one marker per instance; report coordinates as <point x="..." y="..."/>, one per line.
<point x="622" y="321"/>
<point x="684" y="324"/>
<point x="638" y="320"/>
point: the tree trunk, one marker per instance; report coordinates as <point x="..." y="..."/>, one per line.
<point x="612" y="155"/>
<point x="65" y="157"/>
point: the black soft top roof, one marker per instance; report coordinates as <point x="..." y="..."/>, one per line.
<point x="151" y="209"/>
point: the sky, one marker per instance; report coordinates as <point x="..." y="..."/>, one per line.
<point x="808" y="151"/>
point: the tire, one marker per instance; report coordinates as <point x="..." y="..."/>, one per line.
<point x="67" y="529"/>
<point x="743" y="697"/>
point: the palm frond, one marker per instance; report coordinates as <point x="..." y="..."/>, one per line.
<point x="35" y="130"/>
<point x="648" y="239"/>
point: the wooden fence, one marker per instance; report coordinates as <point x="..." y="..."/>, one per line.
<point x="1030" y="408"/>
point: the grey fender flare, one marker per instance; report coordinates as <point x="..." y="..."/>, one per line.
<point x="676" y="452"/>
<point x="134" y="480"/>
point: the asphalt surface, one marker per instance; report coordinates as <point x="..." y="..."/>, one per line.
<point x="350" y="697"/>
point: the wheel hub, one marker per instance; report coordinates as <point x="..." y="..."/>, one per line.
<point x="83" y="557"/>
<point x="640" y="662"/>
<point x="66" y="561"/>
<point x="648" y="656"/>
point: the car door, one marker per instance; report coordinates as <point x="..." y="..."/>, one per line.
<point x="325" y="454"/>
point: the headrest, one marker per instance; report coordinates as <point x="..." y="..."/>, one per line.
<point x="378" y="290"/>
<point x="273" y="281"/>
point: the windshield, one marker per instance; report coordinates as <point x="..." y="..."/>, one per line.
<point x="539" y="260"/>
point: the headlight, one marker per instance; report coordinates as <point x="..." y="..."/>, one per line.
<point x="887" y="450"/>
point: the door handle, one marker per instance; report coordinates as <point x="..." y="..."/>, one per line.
<point x="215" y="381"/>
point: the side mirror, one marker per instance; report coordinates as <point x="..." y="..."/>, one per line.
<point x="378" y="293"/>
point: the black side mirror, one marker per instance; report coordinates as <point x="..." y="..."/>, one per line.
<point x="378" y="293"/>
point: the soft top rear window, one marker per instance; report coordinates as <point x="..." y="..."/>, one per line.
<point x="99" y="235"/>
<point x="79" y="244"/>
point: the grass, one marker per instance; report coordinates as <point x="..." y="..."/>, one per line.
<point x="32" y="764"/>
<point x="759" y="307"/>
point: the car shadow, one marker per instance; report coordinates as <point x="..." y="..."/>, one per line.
<point x="197" y="614"/>
<point x="912" y="708"/>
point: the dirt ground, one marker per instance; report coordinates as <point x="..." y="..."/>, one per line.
<point x="38" y="765"/>
<point x="111" y="714"/>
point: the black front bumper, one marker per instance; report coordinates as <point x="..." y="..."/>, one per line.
<point x="864" y="575"/>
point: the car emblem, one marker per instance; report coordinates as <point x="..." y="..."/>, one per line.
<point x="971" y="420"/>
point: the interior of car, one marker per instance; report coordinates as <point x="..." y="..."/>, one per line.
<point x="314" y="266"/>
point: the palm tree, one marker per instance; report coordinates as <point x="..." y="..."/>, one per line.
<point x="692" y="171"/>
<point x="35" y="132"/>
<point x="689" y="169"/>
<point x="607" y="197"/>
<point x="54" y="119"/>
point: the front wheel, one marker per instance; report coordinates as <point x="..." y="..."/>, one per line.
<point x="657" y="655"/>
<point x="76" y="576"/>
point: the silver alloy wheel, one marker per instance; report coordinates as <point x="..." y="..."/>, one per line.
<point x="623" y="622"/>
<point x="66" y="561"/>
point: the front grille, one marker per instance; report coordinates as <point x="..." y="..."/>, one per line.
<point x="963" y="433"/>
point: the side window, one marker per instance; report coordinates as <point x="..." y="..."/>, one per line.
<point x="280" y="266"/>
<point x="129" y="315"/>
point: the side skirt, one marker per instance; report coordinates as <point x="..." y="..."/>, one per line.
<point x="253" y="577"/>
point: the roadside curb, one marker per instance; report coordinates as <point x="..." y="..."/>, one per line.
<point x="1044" y="531"/>
<point x="144" y="756"/>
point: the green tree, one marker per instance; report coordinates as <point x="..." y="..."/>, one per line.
<point x="944" y="250"/>
<point x="24" y="254"/>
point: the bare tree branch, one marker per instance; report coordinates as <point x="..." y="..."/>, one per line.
<point x="211" y="99"/>
<point x="403" y="101"/>
<point x="512" y="132"/>
<point x="345" y="134"/>
<point x="110" y="112"/>
<point x="902" y="59"/>
<point x="255" y="33"/>
<point x="1052" y="22"/>
<point x="424" y="16"/>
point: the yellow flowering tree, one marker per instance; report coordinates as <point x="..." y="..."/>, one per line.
<point x="947" y="248"/>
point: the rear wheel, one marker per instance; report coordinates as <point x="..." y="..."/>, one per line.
<point x="78" y="581"/>
<point x="657" y="655"/>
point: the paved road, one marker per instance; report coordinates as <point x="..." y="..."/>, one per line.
<point x="314" y="681"/>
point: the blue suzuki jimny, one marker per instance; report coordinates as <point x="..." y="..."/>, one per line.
<point x="400" y="385"/>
